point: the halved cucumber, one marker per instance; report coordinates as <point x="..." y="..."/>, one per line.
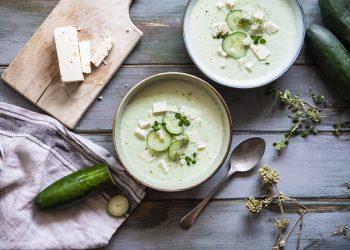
<point x="235" y="22"/>
<point x="157" y="144"/>
<point x="172" y="123"/>
<point x="233" y="45"/>
<point x="176" y="149"/>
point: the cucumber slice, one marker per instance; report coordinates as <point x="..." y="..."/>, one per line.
<point x="157" y="144"/>
<point x="235" y="22"/>
<point x="176" y="148"/>
<point x="172" y="123"/>
<point x="118" y="206"/>
<point x="233" y="45"/>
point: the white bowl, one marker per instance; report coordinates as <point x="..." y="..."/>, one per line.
<point x="268" y="78"/>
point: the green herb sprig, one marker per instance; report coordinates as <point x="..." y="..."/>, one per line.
<point x="157" y="125"/>
<point x="183" y="121"/>
<point x="341" y="230"/>
<point x="258" y="39"/>
<point x="192" y="159"/>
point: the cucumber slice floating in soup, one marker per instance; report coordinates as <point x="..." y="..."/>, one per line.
<point x="233" y="45"/>
<point x="176" y="149"/>
<point x="172" y="123"/>
<point x="156" y="143"/>
<point x="118" y="206"/>
<point x="235" y="22"/>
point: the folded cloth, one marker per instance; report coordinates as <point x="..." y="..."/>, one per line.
<point x="35" y="151"/>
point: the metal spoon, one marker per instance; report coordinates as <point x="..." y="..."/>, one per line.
<point x="243" y="158"/>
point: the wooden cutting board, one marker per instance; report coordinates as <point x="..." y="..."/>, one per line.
<point x="35" y="73"/>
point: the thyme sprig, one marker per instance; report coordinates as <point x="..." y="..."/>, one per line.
<point x="305" y="116"/>
<point x="272" y="195"/>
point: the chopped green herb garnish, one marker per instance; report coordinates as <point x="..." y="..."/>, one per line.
<point x="258" y="39"/>
<point x="191" y="159"/>
<point x="183" y="121"/>
<point x="156" y="125"/>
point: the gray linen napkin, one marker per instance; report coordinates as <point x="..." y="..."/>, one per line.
<point x="36" y="150"/>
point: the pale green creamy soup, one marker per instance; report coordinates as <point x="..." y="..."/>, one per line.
<point x="205" y="132"/>
<point x="275" y="24"/>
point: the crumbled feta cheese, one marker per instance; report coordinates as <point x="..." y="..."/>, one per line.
<point x="201" y="145"/>
<point x="261" y="51"/>
<point x="163" y="165"/>
<point x="246" y="42"/>
<point x="259" y="15"/>
<point x="160" y="134"/>
<point x="183" y="161"/>
<point x="270" y="27"/>
<point x="172" y="108"/>
<point x="230" y="4"/>
<point x="247" y="13"/>
<point x="257" y="29"/>
<point x="193" y="136"/>
<point x="159" y="107"/>
<point x="144" y="124"/>
<point x="140" y="133"/>
<point x="244" y="64"/>
<point x="220" y="5"/>
<point x="221" y="52"/>
<point x="220" y="29"/>
<point x="197" y="122"/>
<point x="192" y="113"/>
<point x="147" y="156"/>
<point x="102" y="51"/>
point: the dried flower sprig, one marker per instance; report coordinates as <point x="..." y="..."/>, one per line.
<point x="341" y="230"/>
<point x="270" y="179"/>
<point x="305" y="117"/>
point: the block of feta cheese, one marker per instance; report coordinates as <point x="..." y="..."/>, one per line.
<point x="244" y="64"/>
<point x="230" y="4"/>
<point x="102" y="51"/>
<point x="144" y="124"/>
<point x="151" y="117"/>
<point x="221" y="52"/>
<point x="160" y="134"/>
<point x="259" y="15"/>
<point x="261" y="51"/>
<point x="247" y="13"/>
<point x="172" y="108"/>
<point x="85" y="56"/>
<point x="270" y="27"/>
<point x="201" y="145"/>
<point x="193" y="136"/>
<point x="147" y="156"/>
<point x="159" y="107"/>
<point x="66" y="40"/>
<point x="219" y="29"/>
<point x="246" y="42"/>
<point x="192" y="113"/>
<point x="163" y="165"/>
<point x="140" y="133"/>
<point x="220" y="5"/>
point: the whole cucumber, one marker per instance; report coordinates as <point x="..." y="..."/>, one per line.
<point x="73" y="187"/>
<point x="336" y="14"/>
<point x="331" y="56"/>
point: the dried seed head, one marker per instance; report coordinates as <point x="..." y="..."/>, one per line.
<point x="282" y="224"/>
<point x="269" y="176"/>
<point x="254" y="206"/>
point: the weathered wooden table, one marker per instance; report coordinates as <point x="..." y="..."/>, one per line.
<point x="316" y="169"/>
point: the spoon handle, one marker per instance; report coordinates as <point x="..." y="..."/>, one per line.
<point x="188" y="220"/>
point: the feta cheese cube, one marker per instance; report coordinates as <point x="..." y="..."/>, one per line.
<point x="270" y="27"/>
<point x="220" y="29"/>
<point x="192" y="113"/>
<point x="84" y="49"/>
<point x="144" y="124"/>
<point x="172" y="108"/>
<point x="159" y="107"/>
<point x="201" y="145"/>
<point x="160" y="134"/>
<point x="257" y="29"/>
<point x="244" y="64"/>
<point x="220" y="5"/>
<point x="151" y="117"/>
<point x="147" y="156"/>
<point x="246" y="42"/>
<point x="221" y="52"/>
<point x="183" y="161"/>
<point x="102" y="51"/>
<point x="140" y="133"/>
<point x="193" y="136"/>
<point x="163" y="165"/>
<point x="249" y="66"/>
<point x="247" y="13"/>
<point x="66" y="40"/>
<point x="259" y="15"/>
<point x="230" y="4"/>
<point x="261" y="51"/>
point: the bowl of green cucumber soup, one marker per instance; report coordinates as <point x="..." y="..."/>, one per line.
<point x="172" y="131"/>
<point x="243" y="43"/>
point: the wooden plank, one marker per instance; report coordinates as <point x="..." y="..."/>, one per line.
<point x="35" y="72"/>
<point x="317" y="166"/>
<point x="251" y="109"/>
<point x="161" y="23"/>
<point x="226" y="225"/>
